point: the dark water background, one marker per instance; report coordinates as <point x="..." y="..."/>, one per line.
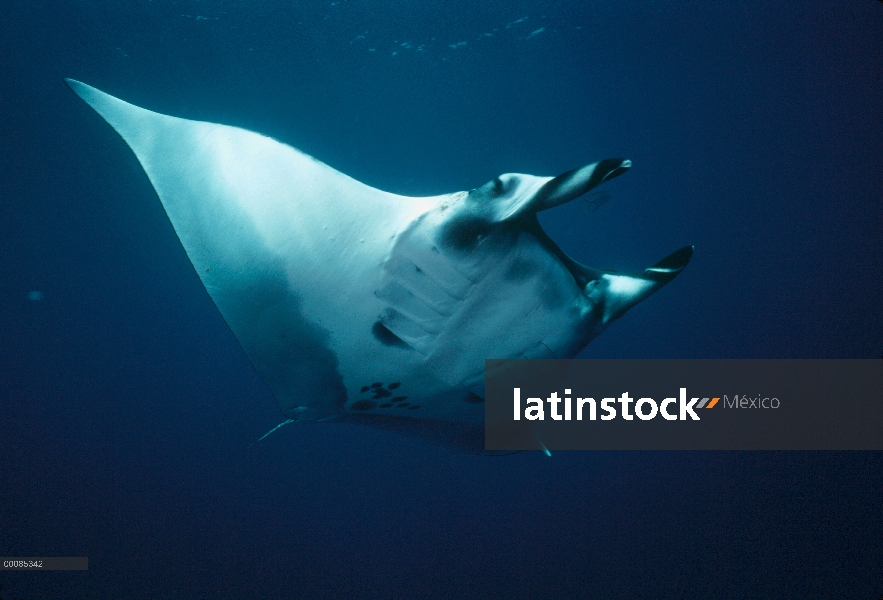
<point x="756" y="130"/>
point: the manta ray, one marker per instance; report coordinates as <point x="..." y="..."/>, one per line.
<point x="356" y="305"/>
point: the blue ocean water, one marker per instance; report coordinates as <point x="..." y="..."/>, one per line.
<point x="128" y="407"/>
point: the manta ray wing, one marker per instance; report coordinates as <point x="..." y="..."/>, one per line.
<point x="254" y="215"/>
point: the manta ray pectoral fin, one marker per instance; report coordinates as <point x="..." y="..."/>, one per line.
<point x="245" y="209"/>
<point x="618" y="292"/>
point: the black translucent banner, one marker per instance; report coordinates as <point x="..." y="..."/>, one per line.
<point x="44" y="563"/>
<point x="684" y="404"/>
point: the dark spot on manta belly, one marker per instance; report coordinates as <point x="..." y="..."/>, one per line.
<point x="381" y="392"/>
<point x="363" y="405"/>
<point x="462" y="233"/>
<point x="386" y="337"/>
<point x="472" y="398"/>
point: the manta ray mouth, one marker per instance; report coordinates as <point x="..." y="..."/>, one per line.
<point x="660" y="273"/>
<point x="571" y="185"/>
<point x="582" y="274"/>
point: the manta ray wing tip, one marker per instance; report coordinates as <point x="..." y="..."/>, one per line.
<point x="75" y="85"/>
<point x="86" y="92"/>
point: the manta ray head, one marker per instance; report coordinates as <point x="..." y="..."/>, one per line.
<point x="522" y="296"/>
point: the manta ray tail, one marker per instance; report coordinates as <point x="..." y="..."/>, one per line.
<point x="263" y="437"/>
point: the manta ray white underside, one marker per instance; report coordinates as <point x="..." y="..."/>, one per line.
<point x="361" y="306"/>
